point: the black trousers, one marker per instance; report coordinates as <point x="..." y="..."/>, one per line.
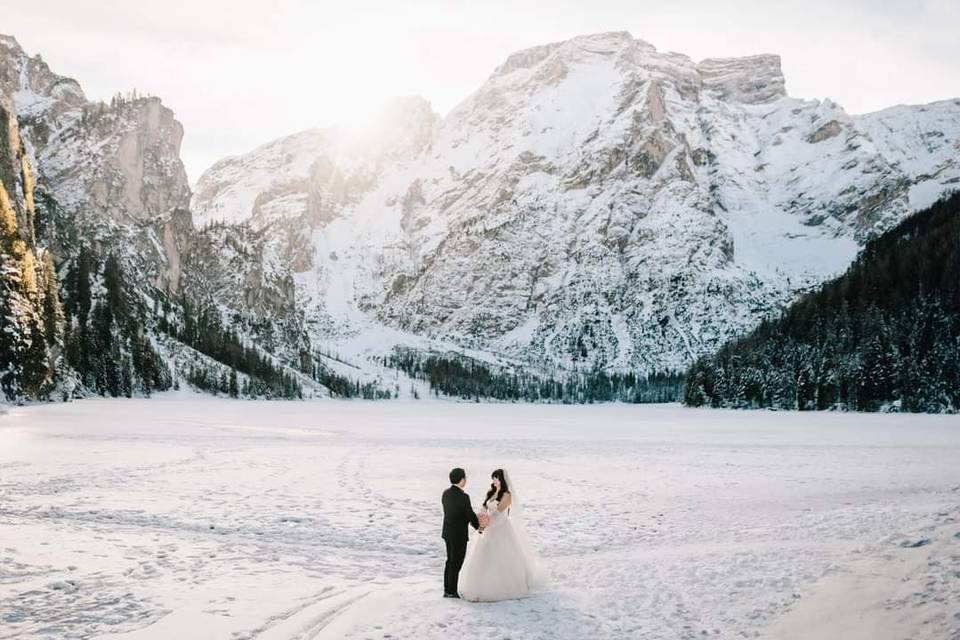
<point x="456" y="552"/>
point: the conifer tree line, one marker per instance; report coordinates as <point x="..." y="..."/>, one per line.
<point x="202" y="329"/>
<point x="461" y="377"/>
<point x="108" y="343"/>
<point x="343" y="386"/>
<point x="217" y="380"/>
<point x="883" y="336"/>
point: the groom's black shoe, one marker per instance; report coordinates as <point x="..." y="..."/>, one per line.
<point x="451" y="595"/>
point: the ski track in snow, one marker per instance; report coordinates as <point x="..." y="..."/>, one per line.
<point x="191" y="517"/>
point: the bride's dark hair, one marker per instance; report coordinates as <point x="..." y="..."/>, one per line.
<point x="493" y="488"/>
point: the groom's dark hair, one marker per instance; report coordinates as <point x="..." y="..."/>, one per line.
<point x="456" y="475"/>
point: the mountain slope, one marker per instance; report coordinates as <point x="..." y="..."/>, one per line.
<point x="885" y="334"/>
<point x="112" y="208"/>
<point x="595" y="204"/>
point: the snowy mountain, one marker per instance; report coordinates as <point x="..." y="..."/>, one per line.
<point x="145" y="295"/>
<point x="596" y="202"/>
<point x="595" y="205"/>
<point x="113" y="171"/>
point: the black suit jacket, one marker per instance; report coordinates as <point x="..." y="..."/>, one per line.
<point x="457" y="514"/>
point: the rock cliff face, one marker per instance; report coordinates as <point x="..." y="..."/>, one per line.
<point x="31" y="318"/>
<point x="112" y="173"/>
<point x="595" y="203"/>
<point x="15" y="174"/>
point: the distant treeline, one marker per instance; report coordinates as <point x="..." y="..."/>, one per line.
<point x="342" y="386"/>
<point x="106" y="339"/>
<point x="458" y="376"/>
<point x="203" y="330"/>
<point x="885" y="335"/>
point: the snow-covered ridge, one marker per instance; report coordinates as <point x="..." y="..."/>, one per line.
<point x="596" y="202"/>
<point x="35" y="90"/>
<point x="314" y="172"/>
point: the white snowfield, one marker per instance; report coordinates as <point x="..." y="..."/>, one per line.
<point x="188" y="517"/>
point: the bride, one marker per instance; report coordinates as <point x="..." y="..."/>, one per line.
<point x="500" y="564"/>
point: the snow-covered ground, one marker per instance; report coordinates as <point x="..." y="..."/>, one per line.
<point x="189" y="517"/>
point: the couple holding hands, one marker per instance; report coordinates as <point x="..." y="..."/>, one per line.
<point x="499" y="564"/>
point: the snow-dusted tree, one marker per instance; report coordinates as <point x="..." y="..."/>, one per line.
<point x="53" y="317"/>
<point x="884" y="336"/>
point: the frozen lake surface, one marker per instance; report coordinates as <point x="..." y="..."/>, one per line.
<point x="190" y="517"/>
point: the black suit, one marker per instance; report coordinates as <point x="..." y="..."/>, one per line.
<point x="457" y="516"/>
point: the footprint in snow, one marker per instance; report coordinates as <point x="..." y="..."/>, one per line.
<point x="913" y="544"/>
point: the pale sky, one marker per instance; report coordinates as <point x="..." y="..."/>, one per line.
<point x="240" y="73"/>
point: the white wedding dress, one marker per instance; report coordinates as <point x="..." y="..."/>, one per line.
<point x="499" y="565"/>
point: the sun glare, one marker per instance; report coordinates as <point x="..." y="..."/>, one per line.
<point x="353" y="79"/>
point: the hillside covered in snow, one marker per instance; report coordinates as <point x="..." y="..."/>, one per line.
<point x="596" y="208"/>
<point x="596" y="203"/>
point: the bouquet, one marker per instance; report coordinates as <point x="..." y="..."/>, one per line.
<point x="483" y="518"/>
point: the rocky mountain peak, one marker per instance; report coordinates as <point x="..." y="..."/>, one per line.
<point x="138" y="173"/>
<point x="608" y="43"/>
<point x="112" y="169"/>
<point x="35" y="90"/>
<point x="119" y="160"/>
<point x="406" y="111"/>
<point x="750" y="80"/>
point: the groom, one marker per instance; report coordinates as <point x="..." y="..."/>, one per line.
<point x="457" y="515"/>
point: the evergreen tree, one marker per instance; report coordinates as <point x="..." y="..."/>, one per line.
<point x="882" y="336"/>
<point x="37" y="372"/>
<point x="53" y="317"/>
<point x="83" y="296"/>
<point x="13" y="332"/>
<point x="458" y="376"/>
